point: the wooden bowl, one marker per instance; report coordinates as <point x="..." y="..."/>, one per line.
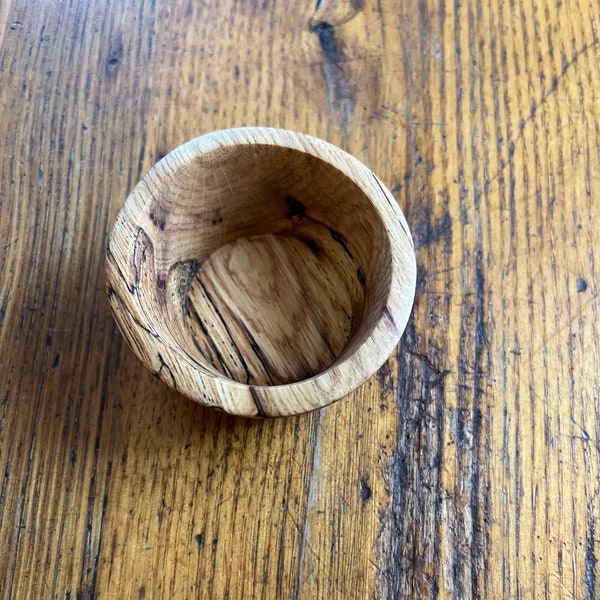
<point x="261" y="271"/>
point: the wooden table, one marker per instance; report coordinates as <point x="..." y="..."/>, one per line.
<point x="469" y="466"/>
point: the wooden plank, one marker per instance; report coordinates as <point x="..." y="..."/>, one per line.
<point x="469" y="466"/>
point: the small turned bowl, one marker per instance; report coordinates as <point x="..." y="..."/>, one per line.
<point x="260" y="271"/>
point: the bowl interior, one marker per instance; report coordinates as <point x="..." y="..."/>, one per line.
<point x="263" y="264"/>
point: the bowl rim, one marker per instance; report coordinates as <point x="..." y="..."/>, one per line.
<point x="175" y="367"/>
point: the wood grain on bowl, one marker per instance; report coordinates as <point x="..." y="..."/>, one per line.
<point x="261" y="271"/>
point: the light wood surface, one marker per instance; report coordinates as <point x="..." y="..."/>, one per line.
<point x="469" y="466"/>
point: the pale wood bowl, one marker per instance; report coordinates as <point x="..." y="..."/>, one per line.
<point x="261" y="271"/>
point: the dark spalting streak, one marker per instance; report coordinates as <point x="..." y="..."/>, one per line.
<point x="258" y="352"/>
<point x="165" y="367"/>
<point x="410" y="525"/>
<point x="157" y="222"/>
<point x="114" y="296"/>
<point x="186" y="272"/>
<point x="131" y="287"/>
<point x="297" y="210"/>
<point x="143" y="251"/>
<point x="257" y="401"/>
<point x="193" y="314"/>
<point x="590" y="561"/>
<point x="226" y="327"/>
<point x="142" y="244"/>
<point x="341" y="240"/>
<point x="311" y="244"/>
<point x="390" y="319"/>
<point x="386" y="196"/>
<point x="360" y="274"/>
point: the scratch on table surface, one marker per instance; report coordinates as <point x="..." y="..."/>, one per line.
<point x="546" y="94"/>
<point x="314" y="496"/>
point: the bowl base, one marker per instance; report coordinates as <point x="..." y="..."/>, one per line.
<point x="275" y="308"/>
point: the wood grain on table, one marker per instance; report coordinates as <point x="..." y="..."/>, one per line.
<point x="469" y="466"/>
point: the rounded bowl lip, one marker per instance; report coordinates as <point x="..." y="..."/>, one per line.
<point x="345" y="374"/>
